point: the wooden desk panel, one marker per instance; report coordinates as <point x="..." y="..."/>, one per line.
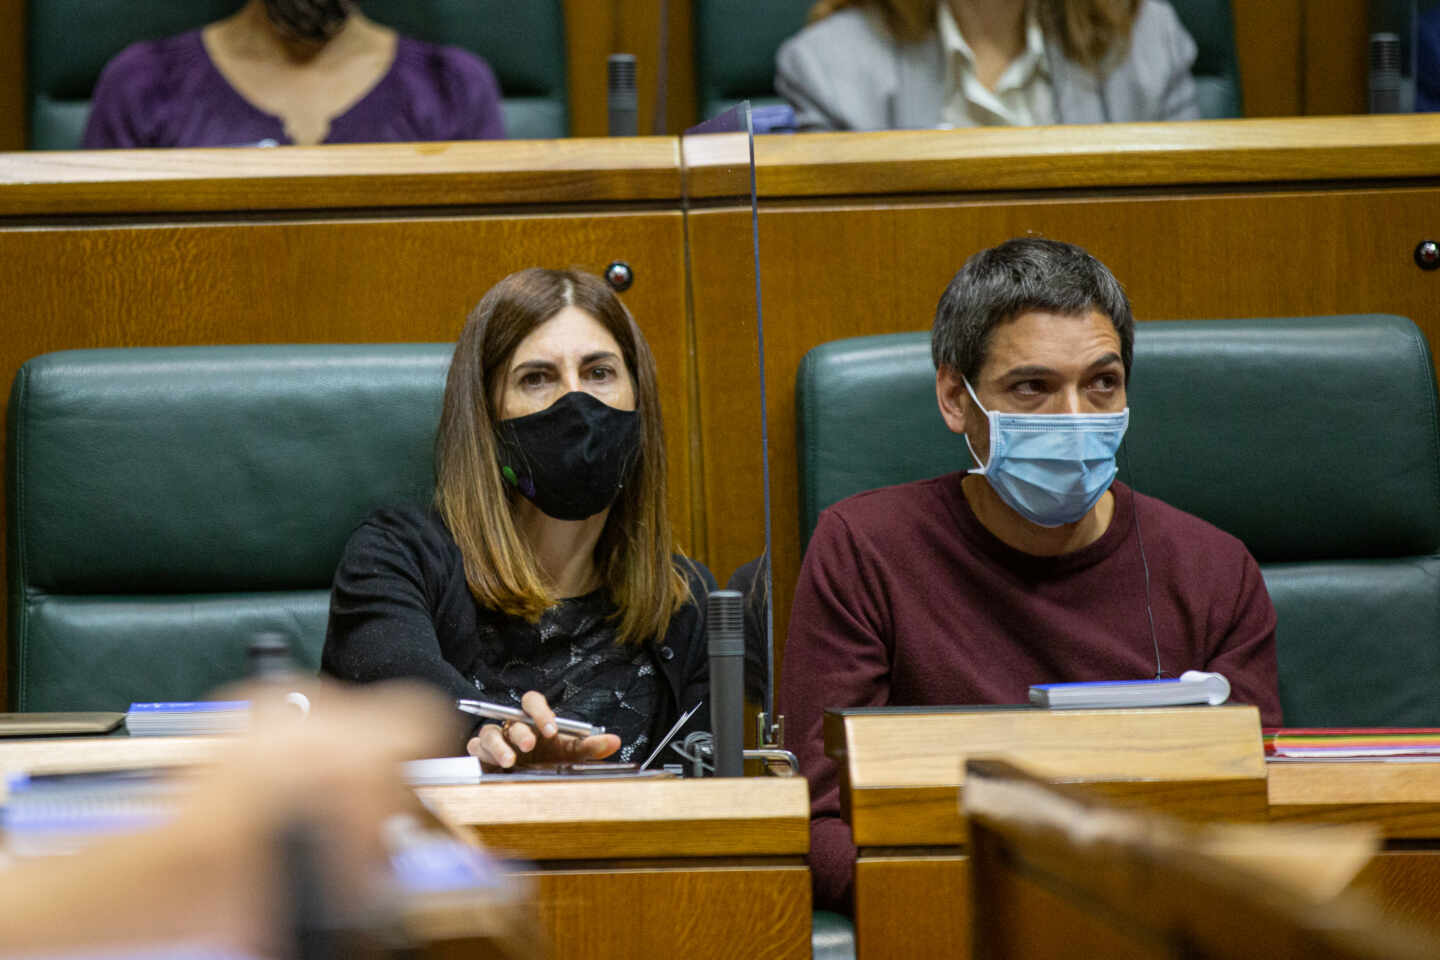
<point x="890" y="890"/>
<point x="700" y="914"/>
<point x="1403" y="799"/>
<point x="345" y="176"/>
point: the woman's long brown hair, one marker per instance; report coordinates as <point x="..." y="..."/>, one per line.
<point x="1088" y="30"/>
<point x="635" y="553"/>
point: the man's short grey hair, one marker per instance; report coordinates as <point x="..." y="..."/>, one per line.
<point x="1019" y="276"/>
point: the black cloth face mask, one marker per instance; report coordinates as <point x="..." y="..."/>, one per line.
<point x="571" y="458"/>
<point x="315" y="21"/>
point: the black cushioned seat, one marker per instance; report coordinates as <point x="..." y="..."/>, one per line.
<point x="164" y="505"/>
<point x="70" y="41"/>
<point x="1313" y="440"/>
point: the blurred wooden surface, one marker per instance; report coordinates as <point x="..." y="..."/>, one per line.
<point x="622" y="868"/>
<point x="628" y="819"/>
<point x="1113" y="884"/>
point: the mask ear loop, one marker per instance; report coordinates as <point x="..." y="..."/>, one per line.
<point x="1144" y="563"/>
<point x="979" y="469"/>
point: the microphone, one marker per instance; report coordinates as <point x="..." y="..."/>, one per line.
<point x="620" y="95"/>
<point x="1385" y="82"/>
<point x="725" y="632"/>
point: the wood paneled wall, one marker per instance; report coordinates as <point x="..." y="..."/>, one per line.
<point x="1296" y="57"/>
<point x="12" y="74"/>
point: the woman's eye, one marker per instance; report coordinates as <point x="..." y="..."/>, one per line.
<point x="533" y="379"/>
<point x="602" y="374"/>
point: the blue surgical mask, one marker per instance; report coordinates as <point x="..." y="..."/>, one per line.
<point x="1050" y="468"/>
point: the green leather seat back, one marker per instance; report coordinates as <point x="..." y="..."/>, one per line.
<point x="1217" y="65"/>
<point x="1313" y="440"/>
<point x="70" y="41"/>
<point x="166" y="504"/>
<point x="735" y="44"/>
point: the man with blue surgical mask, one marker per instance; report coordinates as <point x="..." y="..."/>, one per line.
<point x="1035" y="565"/>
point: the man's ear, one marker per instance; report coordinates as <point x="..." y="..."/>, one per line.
<point x="952" y="397"/>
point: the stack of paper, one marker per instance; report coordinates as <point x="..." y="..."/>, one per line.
<point x="1190" y="687"/>
<point x="187" y="718"/>
<point x="1351" y="743"/>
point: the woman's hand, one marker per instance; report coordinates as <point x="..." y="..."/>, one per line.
<point x="503" y="746"/>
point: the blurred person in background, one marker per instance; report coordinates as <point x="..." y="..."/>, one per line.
<point x="292" y="72"/>
<point x="898" y="64"/>
<point x="215" y="878"/>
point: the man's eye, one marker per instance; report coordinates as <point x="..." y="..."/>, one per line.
<point x="1107" y="381"/>
<point x="1029" y="388"/>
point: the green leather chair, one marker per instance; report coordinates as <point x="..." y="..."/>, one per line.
<point x="164" y="505"/>
<point x="1217" y="65"/>
<point x="1315" y="441"/>
<point x="70" y="41"/>
<point x="735" y="44"/>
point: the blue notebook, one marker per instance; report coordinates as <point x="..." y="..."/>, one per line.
<point x="1191" y="687"/>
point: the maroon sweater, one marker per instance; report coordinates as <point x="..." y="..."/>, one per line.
<point x="905" y="599"/>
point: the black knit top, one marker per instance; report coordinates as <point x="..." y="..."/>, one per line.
<point x="400" y="607"/>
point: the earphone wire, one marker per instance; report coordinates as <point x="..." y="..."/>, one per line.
<point x="1144" y="562"/>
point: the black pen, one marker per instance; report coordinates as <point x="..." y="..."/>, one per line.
<point x="497" y="711"/>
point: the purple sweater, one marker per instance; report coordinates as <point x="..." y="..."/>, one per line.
<point x="168" y="93"/>
<point x="904" y="598"/>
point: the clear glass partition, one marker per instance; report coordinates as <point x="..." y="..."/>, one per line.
<point x="732" y="500"/>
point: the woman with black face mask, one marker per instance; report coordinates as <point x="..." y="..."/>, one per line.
<point x="544" y="575"/>
<point x="292" y="72"/>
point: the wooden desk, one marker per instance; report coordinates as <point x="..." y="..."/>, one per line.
<point x="902" y="781"/>
<point x="707" y="868"/>
<point x="1402" y="799"/>
<point x="699" y="868"/>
